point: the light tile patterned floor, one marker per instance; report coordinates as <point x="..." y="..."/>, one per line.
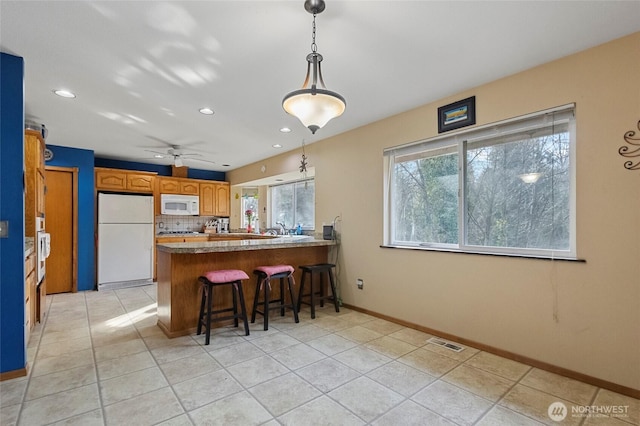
<point x="100" y="359"/>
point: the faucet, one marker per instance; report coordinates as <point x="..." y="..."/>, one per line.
<point x="283" y="230"/>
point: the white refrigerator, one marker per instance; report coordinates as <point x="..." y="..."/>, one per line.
<point x="125" y="240"/>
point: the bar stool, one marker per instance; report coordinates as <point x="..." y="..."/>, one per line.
<point x="263" y="285"/>
<point x="208" y="281"/>
<point x="318" y="295"/>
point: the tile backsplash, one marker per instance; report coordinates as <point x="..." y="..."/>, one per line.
<point x="169" y="223"/>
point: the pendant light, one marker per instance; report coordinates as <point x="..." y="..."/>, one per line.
<point x="314" y="106"/>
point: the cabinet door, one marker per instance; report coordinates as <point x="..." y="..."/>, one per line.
<point x="111" y="180"/>
<point x="139" y="183"/>
<point x="169" y="186"/>
<point x="40" y="190"/>
<point x="222" y="199"/>
<point x="207" y="199"/>
<point x="189" y="188"/>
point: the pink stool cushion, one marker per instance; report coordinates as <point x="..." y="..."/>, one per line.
<point x="226" y="276"/>
<point x="275" y="269"/>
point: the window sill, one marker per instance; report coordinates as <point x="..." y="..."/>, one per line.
<point x="522" y="256"/>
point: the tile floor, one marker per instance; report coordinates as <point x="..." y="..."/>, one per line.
<point x="100" y="359"/>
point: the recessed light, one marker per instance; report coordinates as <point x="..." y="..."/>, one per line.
<point x="206" y="111"/>
<point x="158" y="156"/>
<point x="285" y="130"/>
<point x="64" y="93"/>
<point x="277" y="145"/>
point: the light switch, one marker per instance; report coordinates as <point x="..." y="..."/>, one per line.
<point x="4" y="229"/>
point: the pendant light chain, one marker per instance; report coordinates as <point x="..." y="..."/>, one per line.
<point x="314" y="47"/>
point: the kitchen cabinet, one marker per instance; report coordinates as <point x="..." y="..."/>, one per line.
<point x="178" y="186"/>
<point x="124" y="180"/>
<point x="34" y="180"/>
<point x="214" y="199"/>
<point x="223" y="199"/>
<point x="30" y="301"/>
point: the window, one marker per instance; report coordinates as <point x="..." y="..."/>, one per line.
<point x="293" y="204"/>
<point x="249" y="202"/>
<point x="505" y="188"/>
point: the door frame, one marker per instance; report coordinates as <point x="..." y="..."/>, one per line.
<point x="74" y="226"/>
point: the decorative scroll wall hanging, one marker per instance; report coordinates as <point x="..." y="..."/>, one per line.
<point x="631" y="151"/>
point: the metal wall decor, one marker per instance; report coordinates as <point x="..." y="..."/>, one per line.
<point x="632" y="151"/>
<point x="303" y="162"/>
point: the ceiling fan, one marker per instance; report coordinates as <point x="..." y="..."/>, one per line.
<point x="178" y="155"/>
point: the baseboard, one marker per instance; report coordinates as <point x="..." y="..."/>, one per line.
<point x="8" y="375"/>
<point x="624" y="390"/>
<point x="124" y="284"/>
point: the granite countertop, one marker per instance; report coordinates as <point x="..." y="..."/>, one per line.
<point x="244" y="245"/>
<point x="28" y="246"/>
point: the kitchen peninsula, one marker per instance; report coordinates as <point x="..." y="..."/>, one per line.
<point x="180" y="265"/>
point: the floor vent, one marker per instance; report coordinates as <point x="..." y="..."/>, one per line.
<point x="445" y="344"/>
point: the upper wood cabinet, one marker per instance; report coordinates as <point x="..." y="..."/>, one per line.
<point x="34" y="180"/>
<point x="207" y="199"/>
<point x="222" y="199"/>
<point x="124" y="180"/>
<point x="178" y="186"/>
<point x="214" y="199"/>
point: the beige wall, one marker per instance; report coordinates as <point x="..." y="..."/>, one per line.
<point x="584" y="317"/>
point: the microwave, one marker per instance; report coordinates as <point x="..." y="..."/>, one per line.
<point x="185" y="205"/>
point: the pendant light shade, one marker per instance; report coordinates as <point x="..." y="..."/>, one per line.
<point x="314" y="106"/>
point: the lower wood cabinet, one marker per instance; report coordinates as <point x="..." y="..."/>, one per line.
<point x="30" y="302"/>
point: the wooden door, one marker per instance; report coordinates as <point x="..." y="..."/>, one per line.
<point x="61" y="222"/>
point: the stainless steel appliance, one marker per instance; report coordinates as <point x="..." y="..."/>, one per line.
<point x="223" y="225"/>
<point x="175" y="204"/>
<point x="125" y="240"/>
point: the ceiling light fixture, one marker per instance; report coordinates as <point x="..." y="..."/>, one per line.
<point x="206" y="111"/>
<point x="276" y="145"/>
<point x="285" y="130"/>
<point x="314" y="106"/>
<point x="64" y="93"/>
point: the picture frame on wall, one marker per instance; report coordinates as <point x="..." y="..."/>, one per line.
<point x="456" y="115"/>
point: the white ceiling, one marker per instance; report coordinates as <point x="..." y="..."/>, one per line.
<point x="142" y="69"/>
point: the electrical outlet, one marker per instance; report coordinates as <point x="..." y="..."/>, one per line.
<point x="360" y="283"/>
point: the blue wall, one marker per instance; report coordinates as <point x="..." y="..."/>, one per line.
<point x="83" y="160"/>
<point x="12" y="316"/>
<point x="161" y="170"/>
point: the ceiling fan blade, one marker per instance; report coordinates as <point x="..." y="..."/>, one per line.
<point x="201" y="160"/>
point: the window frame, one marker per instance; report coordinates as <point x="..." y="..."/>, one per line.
<point x="272" y="223"/>
<point x="460" y="139"/>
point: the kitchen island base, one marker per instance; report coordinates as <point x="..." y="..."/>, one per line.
<point x="178" y="272"/>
